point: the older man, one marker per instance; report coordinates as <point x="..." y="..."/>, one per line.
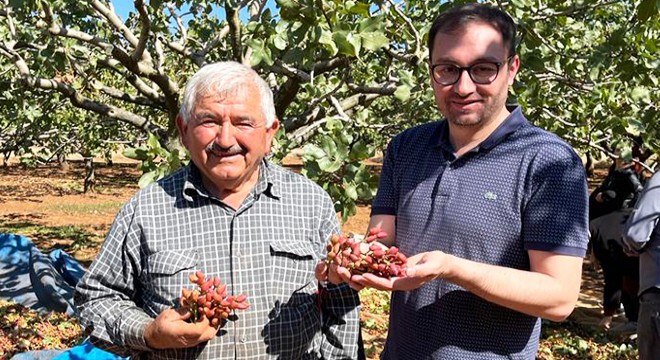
<point x="492" y="209"/>
<point x="230" y="213"/>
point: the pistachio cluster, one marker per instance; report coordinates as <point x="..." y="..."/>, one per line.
<point x="210" y="299"/>
<point x="367" y="256"/>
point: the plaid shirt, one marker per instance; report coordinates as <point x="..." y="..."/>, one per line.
<point x="267" y="249"/>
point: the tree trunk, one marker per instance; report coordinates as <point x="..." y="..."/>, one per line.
<point x="90" y="180"/>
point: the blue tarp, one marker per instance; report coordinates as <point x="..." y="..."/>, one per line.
<point x="43" y="283"/>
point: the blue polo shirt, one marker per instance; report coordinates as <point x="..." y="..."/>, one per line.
<point x="521" y="189"/>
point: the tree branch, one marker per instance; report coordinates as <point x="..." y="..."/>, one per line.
<point x="335" y="103"/>
<point x="384" y="89"/>
<point x="133" y="79"/>
<point x="409" y="23"/>
<point x="179" y="22"/>
<point x="573" y="10"/>
<point x="10" y="19"/>
<point x="284" y="69"/>
<point x="210" y="45"/>
<point x="76" y="98"/>
<point x="115" y="21"/>
<point x="145" y="30"/>
<point x="234" y="23"/>
<point x="121" y="95"/>
<point x="558" y="118"/>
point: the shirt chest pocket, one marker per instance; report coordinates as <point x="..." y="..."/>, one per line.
<point x="293" y="264"/>
<point x="167" y="273"/>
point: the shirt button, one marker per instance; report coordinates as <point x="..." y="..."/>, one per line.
<point x="243" y="340"/>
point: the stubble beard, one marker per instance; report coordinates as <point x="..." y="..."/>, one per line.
<point x="466" y="121"/>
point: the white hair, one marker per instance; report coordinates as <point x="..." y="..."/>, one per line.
<point x="221" y="77"/>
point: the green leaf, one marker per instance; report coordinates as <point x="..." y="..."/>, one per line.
<point x="334" y="123"/>
<point x="16" y="4"/>
<point x="147" y="178"/>
<point x="328" y="166"/>
<point x="647" y="8"/>
<point x="312" y="152"/>
<point x="327" y="40"/>
<point x="350" y="191"/>
<point x="152" y="142"/>
<point x="328" y="145"/>
<point x="347" y="43"/>
<point x="136" y="154"/>
<point x="594" y="73"/>
<point x="359" y="150"/>
<point x="260" y="52"/>
<point x="359" y="8"/>
<point x="402" y="92"/>
<point x="279" y="42"/>
<point x="374" y="40"/>
<point x="372" y="24"/>
<point x="640" y="93"/>
<point x="155" y="3"/>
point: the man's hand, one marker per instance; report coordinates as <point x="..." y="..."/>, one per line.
<point x="421" y="269"/>
<point x="171" y="331"/>
<point x="336" y="275"/>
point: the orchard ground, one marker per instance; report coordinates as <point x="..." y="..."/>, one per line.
<point x="47" y="204"/>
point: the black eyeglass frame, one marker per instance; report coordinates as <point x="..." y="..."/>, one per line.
<point x="469" y="71"/>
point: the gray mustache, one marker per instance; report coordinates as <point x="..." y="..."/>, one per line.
<point x="214" y="148"/>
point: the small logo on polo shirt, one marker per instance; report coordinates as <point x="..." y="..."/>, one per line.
<point x="490" y="195"/>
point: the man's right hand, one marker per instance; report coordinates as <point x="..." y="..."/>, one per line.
<point x="170" y="330"/>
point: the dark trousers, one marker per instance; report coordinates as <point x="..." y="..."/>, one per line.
<point x="648" y="326"/>
<point x="620" y="277"/>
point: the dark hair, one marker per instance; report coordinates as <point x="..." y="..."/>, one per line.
<point x="459" y="16"/>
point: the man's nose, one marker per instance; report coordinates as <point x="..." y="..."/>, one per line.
<point x="464" y="86"/>
<point x="226" y="136"/>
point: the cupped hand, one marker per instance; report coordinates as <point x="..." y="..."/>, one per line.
<point x="170" y="330"/>
<point x="421" y="268"/>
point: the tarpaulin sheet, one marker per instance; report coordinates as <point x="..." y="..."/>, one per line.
<point x="43" y="283"/>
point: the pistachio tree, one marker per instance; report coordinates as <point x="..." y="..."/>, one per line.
<point x="347" y="75"/>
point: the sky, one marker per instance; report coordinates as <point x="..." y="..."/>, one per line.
<point x="123" y="7"/>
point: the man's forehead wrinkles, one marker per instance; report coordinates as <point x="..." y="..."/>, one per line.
<point x="237" y="93"/>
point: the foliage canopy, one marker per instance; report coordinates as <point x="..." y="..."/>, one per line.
<point x="347" y="75"/>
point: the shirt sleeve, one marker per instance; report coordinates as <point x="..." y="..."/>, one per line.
<point x="644" y="217"/>
<point x="555" y="216"/>
<point x="106" y="295"/>
<point x="339" y="304"/>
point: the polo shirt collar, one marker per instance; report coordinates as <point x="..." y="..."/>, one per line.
<point x="266" y="184"/>
<point x="511" y="124"/>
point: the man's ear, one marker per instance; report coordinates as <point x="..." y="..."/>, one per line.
<point x="513" y="65"/>
<point x="276" y="125"/>
<point x="271" y="132"/>
<point x="182" y="127"/>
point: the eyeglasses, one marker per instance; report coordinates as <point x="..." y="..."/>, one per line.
<point x="481" y="73"/>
